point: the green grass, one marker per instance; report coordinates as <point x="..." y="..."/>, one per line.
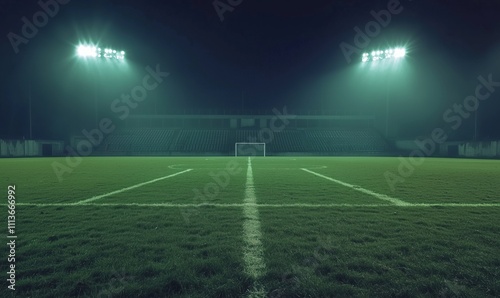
<point x="384" y="252"/>
<point x="320" y="238"/>
<point x="437" y="180"/>
<point x="128" y="252"/>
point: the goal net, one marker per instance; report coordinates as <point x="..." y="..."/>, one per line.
<point x="250" y="149"/>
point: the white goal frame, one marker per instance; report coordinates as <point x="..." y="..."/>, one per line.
<point x="242" y="143"/>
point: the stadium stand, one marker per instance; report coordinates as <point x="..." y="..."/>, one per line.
<point x="138" y="140"/>
<point x="216" y="134"/>
<point x="221" y="141"/>
<point x="345" y="140"/>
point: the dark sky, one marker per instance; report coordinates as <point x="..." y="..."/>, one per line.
<point x="263" y="55"/>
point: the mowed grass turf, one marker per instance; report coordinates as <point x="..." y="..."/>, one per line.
<point x="436" y="180"/>
<point x="383" y="252"/>
<point x="217" y="181"/>
<point x="366" y="247"/>
<point x="282" y="185"/>
<point x="101" y="251"/>
<point x="38" y="182"/>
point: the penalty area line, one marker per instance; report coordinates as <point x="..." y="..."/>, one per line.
<point x="395" y="201"/>
<point x="128" y="188"/>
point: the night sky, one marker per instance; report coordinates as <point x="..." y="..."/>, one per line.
<point x="261" y="55"/>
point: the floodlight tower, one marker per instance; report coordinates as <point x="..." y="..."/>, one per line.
<point x="390" y="55"/>
<point x="95" y="52"/>
<point x="86" y="51"/>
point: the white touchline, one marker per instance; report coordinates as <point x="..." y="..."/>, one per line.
<point x="253" y="252"/>
<point x="128" y="188"/>
<point x="395" y="201"/>
<point x="174" y="205"/>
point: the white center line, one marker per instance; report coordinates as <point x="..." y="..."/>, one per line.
<point x="128" y="188"/>
<point x="395" y="201"/>
<point x="253" y="252"/>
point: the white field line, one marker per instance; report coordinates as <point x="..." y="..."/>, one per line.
<point x="253" y="252"/>
<point x="174" y="205"/>
<point x="185" y="166"/>
<point x="128" y="188"/>
<point x="395" y="201"/>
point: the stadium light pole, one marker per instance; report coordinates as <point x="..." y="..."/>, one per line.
<point x="475" y="124"/>
<point x="29" y="97"/>
<point x="391" y="55"/>
<point x="95" y="52"/>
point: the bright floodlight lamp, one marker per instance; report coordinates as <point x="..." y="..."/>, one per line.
<point x="87" y="51"/>
<point x="385" y="54"/>
<point x="399" y="53"/>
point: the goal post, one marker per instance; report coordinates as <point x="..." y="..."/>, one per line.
<point x="249" y="149"/>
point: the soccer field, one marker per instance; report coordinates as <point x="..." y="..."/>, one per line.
<point x="254" y="227"/>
